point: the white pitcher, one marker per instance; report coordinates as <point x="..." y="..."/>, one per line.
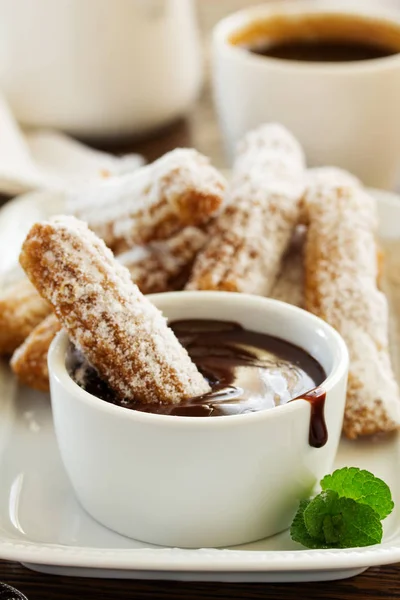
<point x="99" y="67"/>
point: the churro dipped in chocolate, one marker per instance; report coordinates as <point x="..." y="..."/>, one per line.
<point x="29" y="361"/>
<point x="164" y="266"/>
<point x="120" y="332"/>
<point x="158" y="267"/>
<point x="251" y="235"/>
<point x="341" y="267"/>
<point x="21" y="310"/>
<point x="179" y="189"/>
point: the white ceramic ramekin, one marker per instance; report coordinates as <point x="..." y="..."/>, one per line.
<point x="195" y="482"/>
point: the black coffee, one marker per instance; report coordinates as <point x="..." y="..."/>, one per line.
<point x="320" y="38"/>
<point x="324" y="51"/>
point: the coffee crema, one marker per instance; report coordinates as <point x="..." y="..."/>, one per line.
<point x="320" y="38"/>
<point x="247" y="372"/>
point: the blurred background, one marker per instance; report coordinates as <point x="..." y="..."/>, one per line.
<point x="201" y="123"/>
<point x="202" y="120"/>
<point x="210" y="11"/>
<point x="120" y="76"/>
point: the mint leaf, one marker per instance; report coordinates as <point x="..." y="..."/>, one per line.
<point x="330" y="527"/>
<point x="346" y="514"/>
<point x="361" y="525"/>
<point x="298" y="529"/>
<point x="317" y="510"/>
<point x="341" y="522"/>
<point x="361" y="486"/>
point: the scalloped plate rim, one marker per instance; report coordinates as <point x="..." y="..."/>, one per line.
<point x="176" y="560"/>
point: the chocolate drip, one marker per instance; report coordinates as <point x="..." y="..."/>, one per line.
<point x="318" y="433"/>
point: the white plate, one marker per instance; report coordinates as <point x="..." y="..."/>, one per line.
<point x="42" y="525"/>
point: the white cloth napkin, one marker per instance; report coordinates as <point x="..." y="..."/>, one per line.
<point x="48" y="160"/>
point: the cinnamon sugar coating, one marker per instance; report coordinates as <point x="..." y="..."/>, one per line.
<point x="21" y="309"/>
<point x="164" y="266"/>
<point x="159" y="267"/>
<point x="331" y="176"/>
<point x="179" y="189"/>
<point x="123" y="335"/>
<point x="251" y="235"/>
<point x="341" y="271"/>
<point x="289" y="286"/>
<point x="29" y="361"/>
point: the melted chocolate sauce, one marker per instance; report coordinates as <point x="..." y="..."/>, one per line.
<point x="247" y="372"/>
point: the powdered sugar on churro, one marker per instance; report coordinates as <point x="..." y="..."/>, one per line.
<point x="21" y="310"/>
<point x="29" y="361"/>
<point x="181" y="188"/>
<point x="289" y="286"/>
<point x="251" y="235"/>
<point x="269" y="151"/>
<point x="164" y="266"/>
<point x="119" y="331"/>
<point x="341" y="287"/>
<point x="332" y="176"/>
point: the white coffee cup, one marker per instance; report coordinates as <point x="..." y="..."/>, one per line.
<point x="99" y="68"/>
<point x="190" y="481"/>
<point x="345" y="114"/>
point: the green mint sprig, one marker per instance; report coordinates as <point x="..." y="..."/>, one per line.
<point x="346" y="514"/>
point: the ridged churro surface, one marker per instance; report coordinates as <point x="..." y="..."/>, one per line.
<point x="250" y="237"/>
<point x="122" y="334"/>
<point x="164" y="266"/>
<point x="341" y="268"/>
<point x="29" y="361"/>
<point x="289" y="286"/>
<point x="21" y="309"/>
<point x="181" y="188"/>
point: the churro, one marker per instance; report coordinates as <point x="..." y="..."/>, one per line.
<point x="289" y="286"/>
<point x="164" y="265"/>
<point x="159" y="267"/>
<point x="29" y="361"/>
<point x="154" y="202"/>
<point x="330" y="175"/>
<point x="341" y="269"/>
<point x="325" y="176"/>
<point x="121" y="333"/>
<point x="250" y="237"/>
<point x="21" y="309"/>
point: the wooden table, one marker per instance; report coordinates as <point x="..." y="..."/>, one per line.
<point x="375" y="584"/>
<point x="199" y="130"/>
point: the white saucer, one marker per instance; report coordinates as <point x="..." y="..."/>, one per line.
<point x="42" y="525"/>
